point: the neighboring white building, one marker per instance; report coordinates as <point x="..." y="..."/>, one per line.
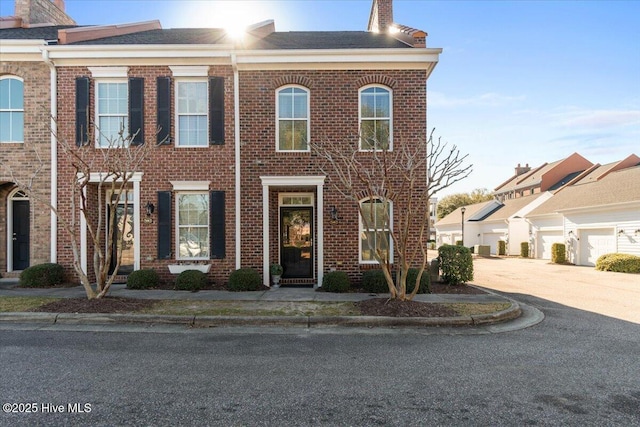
<point x="594" y="216"/>
<point x="593" y="212"/>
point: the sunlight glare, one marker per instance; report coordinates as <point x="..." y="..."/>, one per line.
<point x="232" y="15"/>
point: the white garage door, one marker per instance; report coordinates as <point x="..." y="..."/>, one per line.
<point x="594" y="243"/>
<point x="491" y="239"/>
<point x="546" y="239"/>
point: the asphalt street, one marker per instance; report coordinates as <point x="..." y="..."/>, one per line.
<point x="573" y="368"/>
<point x="577" y="364"/>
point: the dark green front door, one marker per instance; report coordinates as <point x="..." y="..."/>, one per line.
<point x="296" y="242"/>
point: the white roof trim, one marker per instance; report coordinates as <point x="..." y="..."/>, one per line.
<point x="189" y="70"/>
<point x="190" y="185"/>
<point x="108" y="72"/>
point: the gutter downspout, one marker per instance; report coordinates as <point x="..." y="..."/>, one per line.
<point x="54" y="156"/>
<point x="236" y="127"/>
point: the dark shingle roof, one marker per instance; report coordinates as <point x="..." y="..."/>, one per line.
<point x="35" y="33"/>
<point x="327" y="40"/>
<point x="276" y="40"/>
<point x="168" y="36"/>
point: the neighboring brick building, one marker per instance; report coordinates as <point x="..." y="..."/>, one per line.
<point x="234" y="183"/>
<point x="25" y="136"/>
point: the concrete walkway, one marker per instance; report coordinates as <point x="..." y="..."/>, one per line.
<point x="8" y="287"/>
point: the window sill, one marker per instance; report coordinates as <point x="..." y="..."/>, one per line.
<point x="179" y="268"/>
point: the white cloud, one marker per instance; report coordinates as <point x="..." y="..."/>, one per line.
<point x="596" y="119"/>
<point x="490" y="99"/>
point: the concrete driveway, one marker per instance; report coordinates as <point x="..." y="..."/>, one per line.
<point x="611" y="294"/>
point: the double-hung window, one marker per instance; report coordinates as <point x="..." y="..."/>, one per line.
<point x="192" y="113"/>
<point x="112" y="102"/>
<point x="375" y="118"/>
<point x="293" y="119"/>
<point x="375" y="234"/>
<point x="11" y="109"/>
<point x="193" y="225"/>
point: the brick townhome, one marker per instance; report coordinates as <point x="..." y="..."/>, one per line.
<point x="234" y="183"/>
<point x="25" y="136"/>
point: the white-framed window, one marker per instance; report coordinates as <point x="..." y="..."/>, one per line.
<point x="375" y="118"/>
<point x="112" y="112"/>
<point x="192" y="211"/>
<point x="375" y="229"/>
<point x="11" y="109"/>
<point x="292" y="124"/>
<point x="192" y="113"/>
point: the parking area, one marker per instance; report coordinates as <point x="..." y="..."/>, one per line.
<point x="610" y="294"/>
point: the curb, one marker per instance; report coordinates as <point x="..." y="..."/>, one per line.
<point x="513" y="312"/>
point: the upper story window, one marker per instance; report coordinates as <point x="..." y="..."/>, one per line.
<point x="375" y="118"/>
<point x="112" y="111"/>
<point x="375" y="233"/>
<point x="292" y="126"/>
<point x="192" y="113"/>
<point x="11" y="109"/>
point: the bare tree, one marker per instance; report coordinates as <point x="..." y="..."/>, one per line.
<point x="104" y="171"/>
<point x="405" y="178"/>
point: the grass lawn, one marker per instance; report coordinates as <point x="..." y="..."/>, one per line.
<point x="17" y="304"/>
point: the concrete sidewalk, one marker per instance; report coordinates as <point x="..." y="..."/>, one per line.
<point x="8" y="287"/>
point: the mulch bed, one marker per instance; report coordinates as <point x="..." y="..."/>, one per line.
<point x="370" y="307"/>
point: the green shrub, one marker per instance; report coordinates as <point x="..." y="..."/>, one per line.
<point x="244" y="279"/>
<point x="558" y="253"/>
<point x="621" y="263"/>
<point x="456" y="264"/>
<point x="459" y="243"/>
<point x="502" y="247"/>
<point x="191" y="280"/>
<point x="42" y="276"/>
<point x="373" y="281"/>
<point x="412" y="275"/>
<point x="524" y="249"/>
<point x="336" y="281"/>
<point x="143" y="279"/>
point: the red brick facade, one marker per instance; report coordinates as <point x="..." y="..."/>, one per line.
<point x="24" y="159"/>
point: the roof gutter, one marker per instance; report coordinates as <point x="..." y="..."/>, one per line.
<point x="53" y="76"/>
<point x="236" y="132"/>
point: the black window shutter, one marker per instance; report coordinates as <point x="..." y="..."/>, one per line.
<point x="217" y="239"/>
<point x="216" y="110"/>
<point x="82" y="111"/>
<point x="163" y="88"/>
<point x="136" y="110"/>
<point x="164" y="224"/>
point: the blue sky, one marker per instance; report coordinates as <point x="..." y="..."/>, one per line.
<point x="518" y="81"/>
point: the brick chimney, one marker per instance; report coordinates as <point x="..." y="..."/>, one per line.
<point x="381" y="16"/>
<point x="522" y="169"/>
<point x="35" y="12"/>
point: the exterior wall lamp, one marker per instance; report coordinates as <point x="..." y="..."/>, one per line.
<point x="333" y="212"/>
<point x="149" y="209"/>
<point x="635" y="233"/>
<point x="620" y="232"/>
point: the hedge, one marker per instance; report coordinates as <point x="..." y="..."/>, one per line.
<point x="502" y="247"/>
<point x="621" y="263"/>
<point x="336" y="281"/>
<point x="558" y="253"/>
<point x="143" y="279"/>
<point x="373" y="281"/>
<point x="42" y="275"/>
<point x="524" y="249"/>
<point x="456" y="264"/>
<point x="244" y="279"/>
<point x="191" y="280"/>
